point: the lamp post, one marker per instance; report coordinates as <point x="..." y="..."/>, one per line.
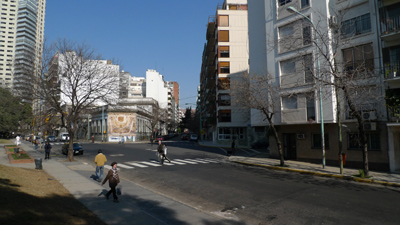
<point x="291" y="9"/>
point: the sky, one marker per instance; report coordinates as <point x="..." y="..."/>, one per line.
<point x="165" y="35"/>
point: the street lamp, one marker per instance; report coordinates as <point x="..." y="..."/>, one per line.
<point x="291" y="9"/>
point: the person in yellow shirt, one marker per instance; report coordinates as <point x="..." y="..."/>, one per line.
<point x="100" y="160"/>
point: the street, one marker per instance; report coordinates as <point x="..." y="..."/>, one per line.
<point x="204" y="178"/>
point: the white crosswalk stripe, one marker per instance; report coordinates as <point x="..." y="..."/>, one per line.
<point x="185" y="161"/>
<point x="155" y="163"/>
<point x="150" y="163"/>
<point x="124" y="166"/>
<point x="136" y="164"/>
<point x="194" y="160"/>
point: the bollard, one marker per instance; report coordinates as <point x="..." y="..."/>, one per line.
<point x="38" y="163"/>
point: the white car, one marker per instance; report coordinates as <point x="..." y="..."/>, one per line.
<point x="64" y="137"/>
<point x="193" y="137"/>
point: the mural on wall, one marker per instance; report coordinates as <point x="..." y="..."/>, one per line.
<point x="121" y="124"/>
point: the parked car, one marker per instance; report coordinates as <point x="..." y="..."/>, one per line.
<point x="51" y="138"/>
<point x="64" y="137"/>
<point x="185" y="137"/>
<point x="77" y="149"/>
<point x="193" y="137"/>
<point x="160" y="138"/>
<point x="262" y="143"/>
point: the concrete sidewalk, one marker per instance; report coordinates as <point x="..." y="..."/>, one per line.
<point x="137" y="205"/>
<point x="263" y="160"/>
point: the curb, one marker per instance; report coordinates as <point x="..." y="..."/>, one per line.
<point x="363" y="180"/>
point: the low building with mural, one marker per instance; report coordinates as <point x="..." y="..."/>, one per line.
<point x="128" y="121"/>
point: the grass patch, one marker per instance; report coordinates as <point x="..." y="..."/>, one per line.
<point x="10" y="146"/>
<point x="20" y="156"/>
<point x="285" y="165"/>
<point x="5" y="141"/>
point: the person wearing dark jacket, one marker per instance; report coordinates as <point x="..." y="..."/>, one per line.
<point x="113" y="180"/>
<point x="47" y="149"/>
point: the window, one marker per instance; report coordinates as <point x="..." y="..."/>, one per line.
<point x="310" y="108"/>
<point x="359" y="58"/>
<point x="317" y="142"/>
<point x="308" y="68"/>
<point x="284" y="2"/>
<point x="224" y="51"/>
<point x="306" y="35"/>
<point x="289" y="102"/>
<point x="223" y="21"/>
<point x="305" y="3"/>
<point x="288" y="67"/>
<point x="224" y="116"/>
<point x="295" y="35"/>
<point x="224" y="133"/>
<point x="224" y="83"/>
<point x="223" y="36"/>
<point x="356" y="26"/>
<point x="224" y="100"/>
<point x="224" y="67"/>
<point x="373" y="141"/>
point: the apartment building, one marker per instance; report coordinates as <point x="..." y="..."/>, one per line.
<point x="225" y="57"/>
<point x="21" y="44"/>
<point x="283" y="40"/>
<point x="389" y="22"/>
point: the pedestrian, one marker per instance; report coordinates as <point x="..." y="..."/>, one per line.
<point x="233" y="147"/>
<point x="18" y="138"/>
<point x="36" y="143"/>
<point x="100" y="160"/>
<point x="151" y="140"/>
<point x="164" y="153"/>
<point x="92" y="138"/>
<point x="113" y="180"/>
<point x="47" y="149"/>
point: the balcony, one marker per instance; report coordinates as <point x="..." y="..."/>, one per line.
<point x="390" y="22"/>
<point x="392" y="70"/>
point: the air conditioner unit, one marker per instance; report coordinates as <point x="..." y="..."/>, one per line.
<point x="369" y="126"/>
<point x="301" y="136"/>
<point x="369" y="115"/>
<point x="333" y="22"/>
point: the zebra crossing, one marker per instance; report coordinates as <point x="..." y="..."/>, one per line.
<point x="155" y="163"/>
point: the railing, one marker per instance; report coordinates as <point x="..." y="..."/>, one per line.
<point x="390" y="24"/>
<point x="391" y="70"/>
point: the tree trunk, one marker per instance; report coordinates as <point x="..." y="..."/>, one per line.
<point x="278" y="142"/>
<point x="71" y="147"/>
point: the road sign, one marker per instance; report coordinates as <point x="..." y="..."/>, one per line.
<point x="202" y="132"/>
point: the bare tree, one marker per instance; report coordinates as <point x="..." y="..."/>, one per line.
<point x="157" y="119"/>
<point x="258" y="91"/>
<point x="73" y="79"/>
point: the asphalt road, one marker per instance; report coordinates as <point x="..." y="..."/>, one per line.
<point x="249" y="195"/>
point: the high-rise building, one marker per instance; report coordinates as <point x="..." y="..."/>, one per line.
<point x="225" y="57"/>
<point x="21" y="44"/>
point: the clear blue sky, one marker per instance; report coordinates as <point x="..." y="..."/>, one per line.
<point x="166" y="35"/>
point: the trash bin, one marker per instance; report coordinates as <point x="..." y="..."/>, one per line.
<point x="16" y="150"/>
<point x="38" y="163"/>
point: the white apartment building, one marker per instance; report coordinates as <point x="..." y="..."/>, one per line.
<point x="21" y="43"/>
<point x="281" y="42"/>
<point x="90" y="79"/>
<point x="137" y="87"/>
<point x="156" y="88"/>
<point x="225" y="57"/>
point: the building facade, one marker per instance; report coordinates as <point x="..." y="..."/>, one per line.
<point x="225" y="57"/>
<point x="21" y="44"/>
<point x="283" y="40"/>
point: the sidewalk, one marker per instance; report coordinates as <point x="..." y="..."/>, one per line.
<point x="137" y="205"/>
<point x="263" y="160"/>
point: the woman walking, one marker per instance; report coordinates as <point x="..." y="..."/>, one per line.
<point x="113" y="180"/>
